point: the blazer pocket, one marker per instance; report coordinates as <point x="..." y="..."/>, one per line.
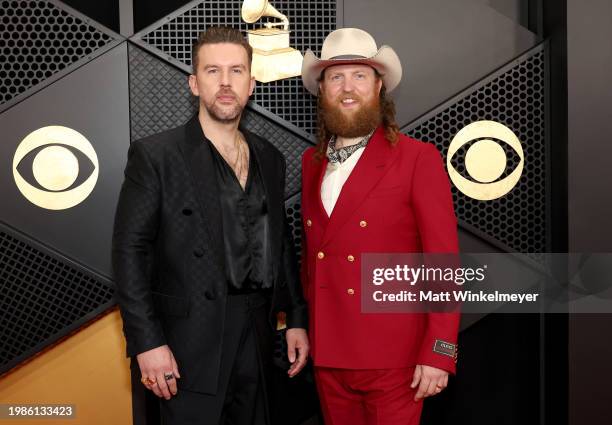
<point x="386" y="191"/>
<point x="170" y="305"/>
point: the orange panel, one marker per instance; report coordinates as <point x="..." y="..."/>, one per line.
<point x="89" y="370"/>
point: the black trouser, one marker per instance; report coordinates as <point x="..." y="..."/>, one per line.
<point x="241" y="394"/>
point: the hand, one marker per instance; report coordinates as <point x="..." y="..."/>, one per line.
<point x="297" y="339"/>
<point x="430" y="380"/>
<point x="153" y="365"/>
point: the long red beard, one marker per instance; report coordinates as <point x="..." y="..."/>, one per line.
<point x="352" y="124"/>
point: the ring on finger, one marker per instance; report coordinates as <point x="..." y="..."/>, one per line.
<point x="148" y="381"/>
<point x="168" y="376"/>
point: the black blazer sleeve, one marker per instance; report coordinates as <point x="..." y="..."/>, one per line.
<point x="134" y="234"/>
<point x="297" y="315"/>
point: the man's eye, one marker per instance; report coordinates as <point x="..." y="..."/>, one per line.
<point x="360" y="76"/>
<point x="335" y="77"/>
<point x="212" y="71"/>
<point x="237" y="71"/>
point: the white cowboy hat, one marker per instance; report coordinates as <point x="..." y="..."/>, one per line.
<point x="351" y="45"/>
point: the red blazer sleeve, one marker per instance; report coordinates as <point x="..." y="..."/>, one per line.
<point x="437" y="225"/>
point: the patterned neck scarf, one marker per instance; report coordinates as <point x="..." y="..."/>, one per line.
<point x="338" y="156"/>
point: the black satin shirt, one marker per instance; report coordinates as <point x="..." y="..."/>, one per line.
<point x="245" y="227"/>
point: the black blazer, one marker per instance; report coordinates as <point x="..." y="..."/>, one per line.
<point x="168" y="253"/>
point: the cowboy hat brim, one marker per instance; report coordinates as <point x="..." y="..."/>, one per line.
<point x="385" y="61"/>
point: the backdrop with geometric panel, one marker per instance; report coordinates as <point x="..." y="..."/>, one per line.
<point x="59" y="67"/>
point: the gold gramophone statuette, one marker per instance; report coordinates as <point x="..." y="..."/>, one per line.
<point x="273" y="59"/>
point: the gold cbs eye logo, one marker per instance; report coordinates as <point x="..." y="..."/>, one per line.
<point x="55" y="167"/>
<point x="485" y="160"/>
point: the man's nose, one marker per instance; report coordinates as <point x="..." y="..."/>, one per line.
<point x="347" y="86"/>
<point x="225" y="79"/>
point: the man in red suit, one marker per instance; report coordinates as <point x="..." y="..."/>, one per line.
<point x="367" y="188"/>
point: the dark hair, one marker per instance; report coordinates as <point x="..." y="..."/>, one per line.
<point x="387" y="112"/>
<point x="215" y="35"/>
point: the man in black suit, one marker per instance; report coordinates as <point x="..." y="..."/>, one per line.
<point x="202" y="256"/>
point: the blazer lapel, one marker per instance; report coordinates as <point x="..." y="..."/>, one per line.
<point x="320" y="176"/>
<point x="200" y="165"/>
<point x="371" y="167"/>
<point x="313" y="179"/>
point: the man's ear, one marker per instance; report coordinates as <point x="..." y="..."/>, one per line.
<point x="193" y="85"/>
<point x="252" y="86"/>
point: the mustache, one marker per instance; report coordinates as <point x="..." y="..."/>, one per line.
<point x="226" y="92"/>
<point x="342" y="97"/>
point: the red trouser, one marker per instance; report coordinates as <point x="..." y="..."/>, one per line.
<point x="367" y="397"/>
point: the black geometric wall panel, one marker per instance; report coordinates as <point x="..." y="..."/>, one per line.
<point x="310" y="22"/>
<point x="293" y="210"/>
<point x="93" y="101"/>
<point x="440" y="58"/>
<point x="160" y="99"/>
<point x="291" y="145"/>
<point x="41" y="38"/>
<point x="55" y="264"/>
<point x="514" y="96"/>
<point x="43" y="296"/>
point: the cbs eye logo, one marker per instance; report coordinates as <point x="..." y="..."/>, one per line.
<point x="50" y="157"/>
<point x="485" y="160"/>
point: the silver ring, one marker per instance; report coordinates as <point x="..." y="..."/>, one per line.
<point x="168" y="376"/>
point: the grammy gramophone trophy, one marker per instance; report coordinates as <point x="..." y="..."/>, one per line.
<point x="273" y="59"/>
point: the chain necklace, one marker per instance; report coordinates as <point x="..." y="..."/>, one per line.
<point x="239" y="165"/>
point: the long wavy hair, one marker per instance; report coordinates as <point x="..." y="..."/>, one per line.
<point x="387" y="112"/>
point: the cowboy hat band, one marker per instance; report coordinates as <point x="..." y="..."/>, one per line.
<point x="348" y="46"/>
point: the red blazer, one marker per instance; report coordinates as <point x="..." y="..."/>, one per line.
<point x="397" y="199"/>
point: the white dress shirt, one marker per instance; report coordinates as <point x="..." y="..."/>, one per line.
<point x="335" y="176"/>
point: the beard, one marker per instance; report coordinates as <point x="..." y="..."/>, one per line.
<point x="224" y="114"/>
<point x="350" y="124"/>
